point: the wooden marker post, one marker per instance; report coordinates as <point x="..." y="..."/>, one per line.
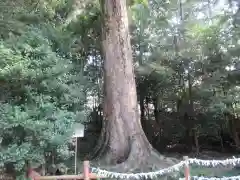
<point x="86" y="170"/>
<point x="186" y="169"/>
<point x="78" y="133"/>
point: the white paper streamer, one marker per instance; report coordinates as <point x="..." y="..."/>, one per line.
<point x="214" y="163"/>
<point x="213" y="178"/>
<point x="110" y="174"/>
<point x="176" y="167"/>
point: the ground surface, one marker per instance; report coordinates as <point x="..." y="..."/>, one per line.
<point x="207" y="171"/>
<point x="204" y="171"/>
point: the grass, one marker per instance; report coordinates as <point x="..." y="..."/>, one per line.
<point x="213" y="172"/>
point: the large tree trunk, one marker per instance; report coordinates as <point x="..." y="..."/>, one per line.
<point x="122" y="142"/>
<point x="122" y="129"/>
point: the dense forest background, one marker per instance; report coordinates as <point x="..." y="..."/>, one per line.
<point x="186" y="62"/>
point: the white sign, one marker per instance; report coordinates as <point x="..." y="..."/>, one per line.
<point x="78" y="130"/>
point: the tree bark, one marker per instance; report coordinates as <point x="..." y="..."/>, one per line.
<point x="142" y="111"/>
<point x="125" y="137"/>
<point x="235" y="133"/>
<point x="196" y="140"/>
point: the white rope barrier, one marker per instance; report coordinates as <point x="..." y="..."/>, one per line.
<point x="207" y="163"/>
<point x="110" y="174"/>
<point x="213" y="178"/>
<point x="213" y="163"/>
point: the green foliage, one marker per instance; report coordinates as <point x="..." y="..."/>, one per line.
<point x="39" y="102"/>
<point x="185" y="62"/>
<point x="190" y="55"/>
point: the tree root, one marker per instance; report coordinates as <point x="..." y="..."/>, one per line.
<point x="102" y="145"/>
<point x="139" y="157"/>
<point x="153" y="162"/>
<point x="139" y="162"/>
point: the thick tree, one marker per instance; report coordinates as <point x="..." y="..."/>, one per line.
<point x="123" y="141"/>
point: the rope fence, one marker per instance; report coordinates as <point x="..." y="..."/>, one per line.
<point x="97" y="173"/>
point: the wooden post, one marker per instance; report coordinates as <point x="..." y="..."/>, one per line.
<point x="86" y="170"/>
<point x="186" y="169"/>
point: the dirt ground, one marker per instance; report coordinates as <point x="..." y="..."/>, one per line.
<point x="210" y="171"/>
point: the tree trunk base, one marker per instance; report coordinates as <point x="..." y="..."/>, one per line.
<point x="139" y="155"/>
<point x="138" y="160"/>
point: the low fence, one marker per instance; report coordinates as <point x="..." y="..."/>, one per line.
<point x="97" y="173"/>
